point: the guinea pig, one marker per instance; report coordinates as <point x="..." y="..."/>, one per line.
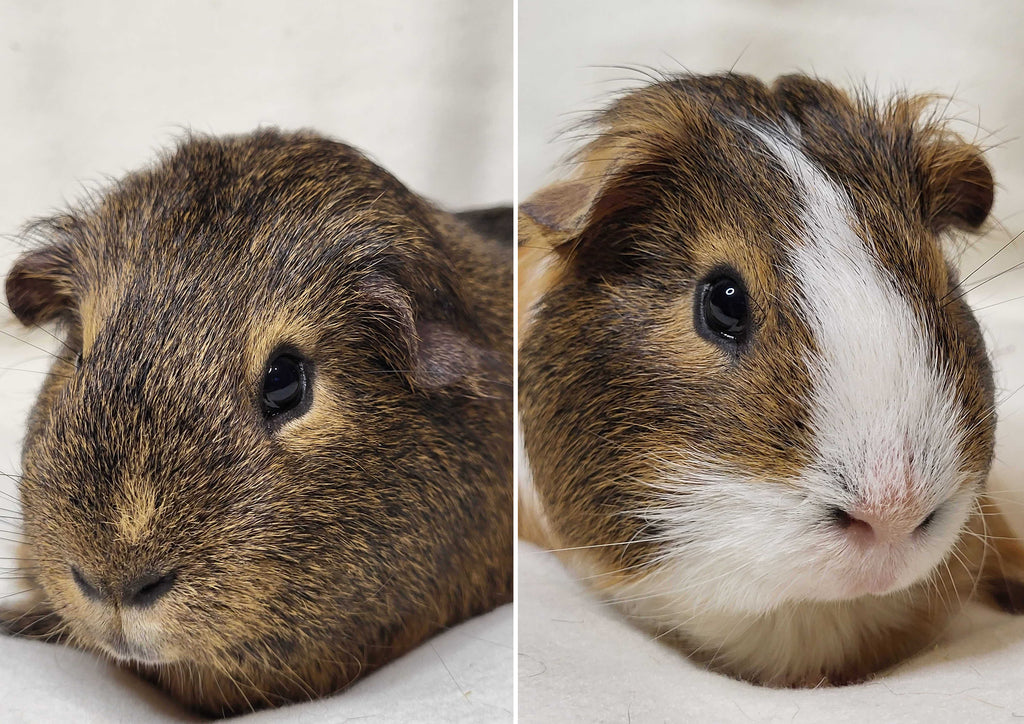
<point x="275" y="450"/>
<point x="757" y="410"/>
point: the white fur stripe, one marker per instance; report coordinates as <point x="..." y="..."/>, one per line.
<point x="881" y="408"/>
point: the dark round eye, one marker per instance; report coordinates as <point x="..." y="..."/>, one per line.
<point x="725" y="309"/>
<point x="284" y="385"/>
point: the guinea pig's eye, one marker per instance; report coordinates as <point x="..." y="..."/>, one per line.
<point x="723" y="310"/>
<point x="284" y="385"/>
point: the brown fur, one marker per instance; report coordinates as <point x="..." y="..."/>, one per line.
<point x="615" y="381"/>
<point x="306" y="554"/>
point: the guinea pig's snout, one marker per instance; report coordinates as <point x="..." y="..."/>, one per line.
<point x="141" y="591"/>
<point x="868" y="526"/>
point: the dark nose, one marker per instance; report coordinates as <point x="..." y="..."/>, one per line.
<point x="147" y="589"/>
<point x="85" y="585"/>
<point x="141" y="591"/>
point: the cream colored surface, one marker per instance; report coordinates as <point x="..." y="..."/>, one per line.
<point x="93" y="89"/>
<point x="578" y="661"/>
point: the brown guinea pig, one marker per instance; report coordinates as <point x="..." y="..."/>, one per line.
<point x="754" y="402"/>
<point x="275" y="452"/>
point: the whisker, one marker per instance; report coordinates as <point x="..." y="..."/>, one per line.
<point x="996" y="304"/>
<point x="46" y="331"/>
<point x="458" y="686"/>
<point x="36" y="346"/>
<point x="982" y="265"/>
<point x="37" y="372"/>
<point x="19" y="593"/>
<point x="984" y="282"/>
<point x="596" y="545"/>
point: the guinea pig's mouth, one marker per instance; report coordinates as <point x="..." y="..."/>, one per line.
<point x="881" y="581"/>
<point x="130" y="652"/>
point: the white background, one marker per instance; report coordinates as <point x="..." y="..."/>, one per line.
<point x="89" y="90"/>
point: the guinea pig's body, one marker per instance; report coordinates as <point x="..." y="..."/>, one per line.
<point x="758" y="413"/>
<point x="275" y="451"/>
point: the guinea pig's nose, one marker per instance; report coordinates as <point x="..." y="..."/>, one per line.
<point x="870" y="526"/>
<point x="147" y="588"/>
<point x="87" y="587"/>
<point x="856" y="526"/>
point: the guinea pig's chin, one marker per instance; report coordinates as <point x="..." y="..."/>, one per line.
<point x="880" y="572"/>
<point x="882" y="580"/>
<point x="133" y="654"/>
<point x="854" y="571"/>
<point x="126" y="640"/>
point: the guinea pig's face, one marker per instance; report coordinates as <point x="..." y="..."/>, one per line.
<point x="246" y="460"/>
<point x="754" y="380"/>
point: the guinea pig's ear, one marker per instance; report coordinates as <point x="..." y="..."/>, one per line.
<point x="432" y="355"/>
<point x="959" y="188"/>
<point x="39" y="284"/>
<point x="957" y="183"/>
<point x="562" y="207"/>
<point x="565" y="216"/>
<point x="804" y="98"/>
<point x="448" y="359"/>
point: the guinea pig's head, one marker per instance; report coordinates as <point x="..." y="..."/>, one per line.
<point x="752" y="376"/>
<point x="276" y="437"/>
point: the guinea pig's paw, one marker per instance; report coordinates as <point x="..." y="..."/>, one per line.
<point x="815" y="681"/>
<point x="1001" y="582"/>
<point x="1008" y="594"/>
<point x="810" y="680"/>
<point x="37" y="621"/>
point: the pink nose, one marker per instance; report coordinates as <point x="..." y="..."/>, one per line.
<point x="870" y="526"/>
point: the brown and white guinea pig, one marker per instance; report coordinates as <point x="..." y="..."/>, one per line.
<point x="275" y="452"/>
<point x="754" y="401"/>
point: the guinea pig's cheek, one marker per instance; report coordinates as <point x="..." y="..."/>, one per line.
<point x="727" y="542"/>
<point x="90" y="622"/>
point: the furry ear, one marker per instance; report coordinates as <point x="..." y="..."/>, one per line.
<point x="496" y="222"/>
<point x="448" y="359"/>
<point x="39" y="284"/>
<point x="561" y="207"/>
<point x="587" y="220"/>
<point x="431" y="355"/>
<point x="637" y="145"/>
<point x="959" y="188"/>
<point x="802" y="98"/>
